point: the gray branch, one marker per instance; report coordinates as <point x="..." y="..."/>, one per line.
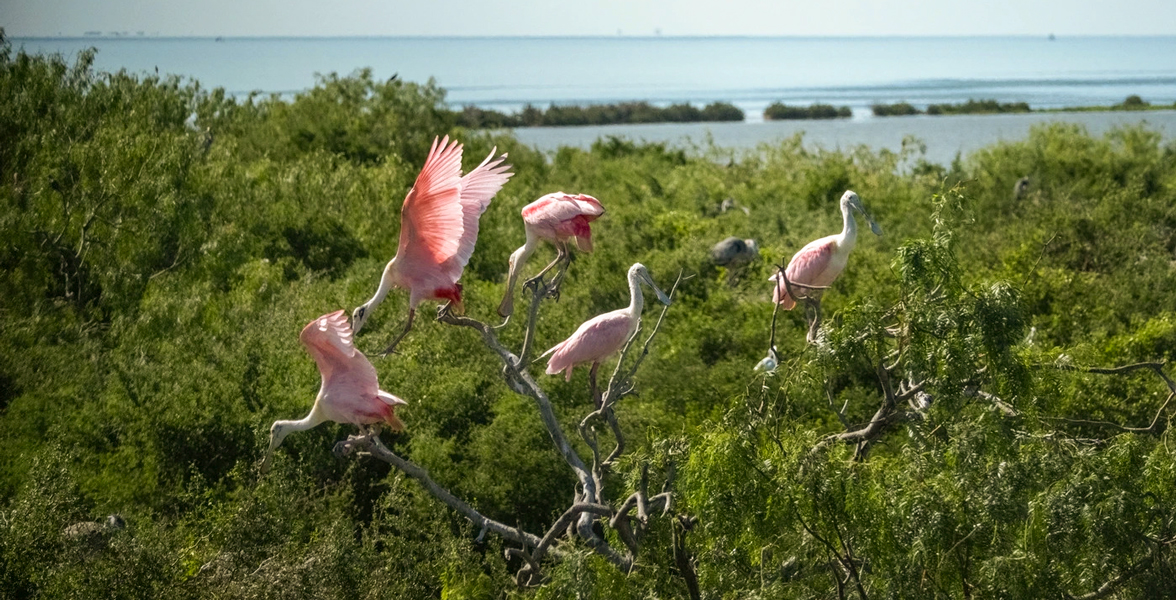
<point x="372" y="444"/>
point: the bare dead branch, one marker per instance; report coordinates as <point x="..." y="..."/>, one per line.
<point x="1147" y="429"/>
<point x="1156" y="367"/>
<point x="1110" y="586"/>
<point x="372" y="444"/>
<point x="1005" y="407"/>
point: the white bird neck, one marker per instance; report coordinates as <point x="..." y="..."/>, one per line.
<point x="387" y="282"/>
<point x="525" y="251"/>
<point x="848" y="227"/>
<point x="636" y="301"/>
<point x="308" y="422"/>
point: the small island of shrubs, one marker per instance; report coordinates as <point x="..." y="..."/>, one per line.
<point x="779" y="111"/>
<point x="991" y="107"/>
<point x="597" y="114"/>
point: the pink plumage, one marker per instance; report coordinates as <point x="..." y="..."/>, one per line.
<point x="596" y="339"/>
<point x="820" y="261"/>
<point x="812" y="265"/>
<point x="350" y="391"/>
<point x="438" y="230"/>
<point x="439" y="221"/>
<point x="555" y="217"/>
<point x="603" y="335"/>
<point x="559" y="216"/>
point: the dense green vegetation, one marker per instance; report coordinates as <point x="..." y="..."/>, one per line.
<point x="982" y="107"/>
<point x="556" y="115"/>
<point x="157" y="267"/>
<point x="778" y="111"/>
<point x="898" y="109"/>
<point x="978" y="107"/>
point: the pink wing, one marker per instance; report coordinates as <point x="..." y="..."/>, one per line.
<point x="431" y="220"/>
<point x="476" y="189"/>
<point x="595" y="340"/>
<point x="328" y="340"/>
<point x="558" y="207"/>
<point x="806" y="267"/>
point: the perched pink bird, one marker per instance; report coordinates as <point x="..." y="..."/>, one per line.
<point x="438" y="229"/>
<point x="350" y="392"/>
<point x="822" y="260"/>
<point x="555" y="218"/>
<point x="603" y="335"/>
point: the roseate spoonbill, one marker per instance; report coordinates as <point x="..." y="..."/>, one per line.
<point x="555" y="218"/>
<point x="438" y="229"/>
<point x="734" y="252"/>
<point x="822" y="260"/>
<point x="350" y="392"/>
<point x="603" y="335"/>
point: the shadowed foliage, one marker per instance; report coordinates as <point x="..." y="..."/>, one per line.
<point x="164" y="244"/>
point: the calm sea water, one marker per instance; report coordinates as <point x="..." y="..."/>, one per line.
<point x="507" y="73"/>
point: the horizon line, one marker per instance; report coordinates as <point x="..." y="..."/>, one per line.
<point x="138" y="36"/>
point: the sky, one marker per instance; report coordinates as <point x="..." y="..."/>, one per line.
<point x="29" y="18"/>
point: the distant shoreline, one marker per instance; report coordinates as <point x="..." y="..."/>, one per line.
<point x="940" y="138"/>
<point x="133" y="35"/>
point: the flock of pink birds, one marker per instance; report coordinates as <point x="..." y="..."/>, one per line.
<point x="439" y="227"/>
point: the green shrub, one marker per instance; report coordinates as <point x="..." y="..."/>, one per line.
<point x="780" y="111"/>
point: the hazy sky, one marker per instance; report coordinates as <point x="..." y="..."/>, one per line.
<point x="589" y="17"/>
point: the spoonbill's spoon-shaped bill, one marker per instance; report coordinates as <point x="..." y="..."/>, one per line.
<point x="350" y="392"/>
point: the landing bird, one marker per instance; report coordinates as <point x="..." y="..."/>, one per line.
<point x="603" y="335"/>
<point x="555" y="218"/>
<point x="350" y="392"/>
<point x="438" y="229"/>
<point x="822" y="260"/>
<point x="734" y="252"/>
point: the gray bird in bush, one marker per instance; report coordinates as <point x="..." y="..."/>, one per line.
<point x="734" y="252"/>
<point x="1021" y="188"/>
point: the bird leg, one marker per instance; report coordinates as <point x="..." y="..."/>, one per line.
<point x="812" y="313"/>
<point x="553" y="287"/>
<point x="407" y="327"/>
<point x="560" y="252"/>
<point x="596" y="399"/>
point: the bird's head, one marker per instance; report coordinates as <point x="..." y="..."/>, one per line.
<point x="278" y="432"/>
<point x="752" y="247"/>
<point x="639" y="271"/>
<point x="359" y="316"/>
<point x="850" y="199"/>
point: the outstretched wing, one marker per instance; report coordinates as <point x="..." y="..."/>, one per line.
<point x="431" y="220"/>
<point x="328" y="340"/>
<point x="477" y="188"/>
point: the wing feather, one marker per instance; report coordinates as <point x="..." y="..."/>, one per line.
<point x="431" y="220"/>
<point x="476" y="190"/>
<point x="328" y="340"/>
<point x="595" y="340"/>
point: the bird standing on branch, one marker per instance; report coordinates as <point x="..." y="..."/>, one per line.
<point x="438" y="229"/>
<point x="603" y="335"/>
<point x="819" y="263"/>
<point x="555" y="218"/>
<point x="350" y="392"/>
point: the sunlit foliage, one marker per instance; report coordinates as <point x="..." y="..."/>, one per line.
<point x="163" y="245"/>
